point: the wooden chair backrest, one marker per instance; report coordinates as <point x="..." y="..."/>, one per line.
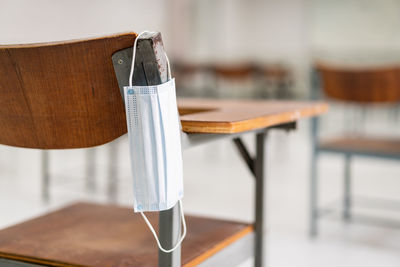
<point x="61" y="95"/>
<point x="362" y="85"/>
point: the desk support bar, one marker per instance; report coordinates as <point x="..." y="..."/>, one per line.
<point x="244" y="153"/>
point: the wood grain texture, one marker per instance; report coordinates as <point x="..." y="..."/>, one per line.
<point x="207" y="253"/>
<point x="362" y="144"/>
<point x="363" y="85"/>
<point x="97" y="235"/>
<point x="61" y="95"/>
<point x="233" y="116"/>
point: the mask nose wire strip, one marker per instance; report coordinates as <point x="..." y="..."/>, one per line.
<point x="180" y="202"/>
<point x="156" y="237"/>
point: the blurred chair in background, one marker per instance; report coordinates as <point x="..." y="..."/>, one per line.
<point x="193" y="79"/>
<point x="277" y="81"/>
<point x="365" y="87"/>
<point x="234" y="80"/>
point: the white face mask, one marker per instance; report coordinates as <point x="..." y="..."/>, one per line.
<point x="155" y="147"/>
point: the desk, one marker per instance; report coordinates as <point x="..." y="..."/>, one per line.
<point x="205" y="120"/>
<point x="236" y="116"/>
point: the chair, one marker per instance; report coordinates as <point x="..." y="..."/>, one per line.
<point x="66" y="95"/>
<point x="364" y="87"/>
<point x="232" y="79"/>
<point x="277" y="81"/>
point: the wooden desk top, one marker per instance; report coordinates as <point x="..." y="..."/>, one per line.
<point x="233" y="116"/>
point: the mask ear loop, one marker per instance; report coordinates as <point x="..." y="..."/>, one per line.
<point x="168" y="67"/>
<point x="156" y="237"/>
<point x="180" y="202"/>
<point x="134" y="56"/>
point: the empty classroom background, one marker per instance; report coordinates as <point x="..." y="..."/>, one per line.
<point x="218" y="31"/>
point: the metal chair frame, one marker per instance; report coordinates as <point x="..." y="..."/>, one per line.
<point x="347" y="197"/>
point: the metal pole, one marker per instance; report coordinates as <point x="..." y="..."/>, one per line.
<point x="169" y="231"/>
<point x="90" y="170"/>
<point x="45" y="176"/>
<point x="112" y="187"/>
<point x="244" y="153"/>
<point x="260" y="174"/>
<point x="347" y="188"/>
<point x="313" y="230"/>
<point x="313" y="223"/>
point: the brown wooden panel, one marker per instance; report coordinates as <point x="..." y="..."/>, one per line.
<point x="98" y="235"/>
<point x="61" y="95"/>
<point x="364" y="85"/>
<point x="371" y="145"/>
<point x="233" y="116"/>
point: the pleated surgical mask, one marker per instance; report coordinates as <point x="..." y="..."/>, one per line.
<point x="155" y="147"/>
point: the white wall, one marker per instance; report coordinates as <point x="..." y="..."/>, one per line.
<point x="24" y="21"/>
<point x="356" y="30"/>
<point x="220" y="30"/>
<point x="235" y="30"/>
<point x="256" y="30"/>
<point x="209" y="29"/>
<point x="197" y="30"/>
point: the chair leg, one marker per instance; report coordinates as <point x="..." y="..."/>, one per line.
<point x="112" y="187"/>
<point x="347" y="189"/>
<point x="313" y="227"/>
<point x="45" y="176"/>
<point x="90" y="170"/>
<point x="169" y="231"/>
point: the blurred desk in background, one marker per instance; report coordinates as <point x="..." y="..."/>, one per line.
<point x="234" y="80"/>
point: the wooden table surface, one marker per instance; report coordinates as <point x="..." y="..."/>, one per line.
<point x="233" y="116"/>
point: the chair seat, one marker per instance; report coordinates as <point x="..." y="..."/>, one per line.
<point x="371" y="146"/>
<point x="85" y="234"/>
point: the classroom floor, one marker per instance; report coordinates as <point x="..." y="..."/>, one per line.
<point x="218" y="184"/>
